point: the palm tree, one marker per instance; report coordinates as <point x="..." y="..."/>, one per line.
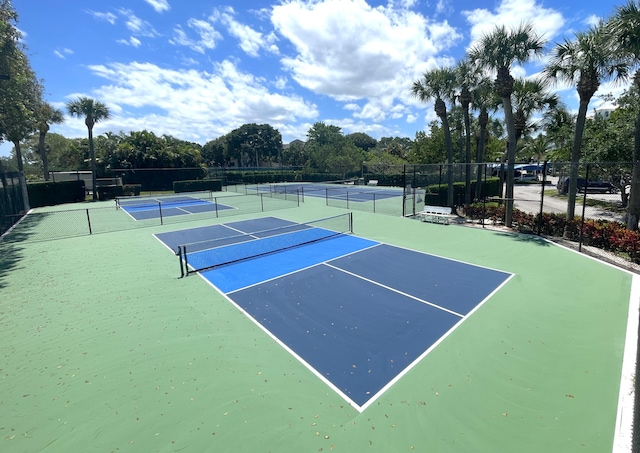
<point x="585" y="62"/>
<point x="92" y="111"/>
<point x="467" y="77"/>
<point x="46" y="115"/>
<point x="624" y="27"/>
<point x="530" y="96"/>
<point x="498" y="51"/>
<point x="483" y="99"/>
<point x="439" y="84"/>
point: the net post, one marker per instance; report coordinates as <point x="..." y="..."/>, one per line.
<point x="117" y="203"/>
<point x="298" y="196"/>
<point x="261" y="203"/>
<point x="374" y="203"/>
<point x="351" y="222"/>
<point x="160" y="210"/>
<point x="89" y="221"/>
<point x="179" y="254"/>
<point x="215" y="202"/>
<point x="326" y="196"/>
<point x="184" y="260"/>
<point x="347" y="199"/>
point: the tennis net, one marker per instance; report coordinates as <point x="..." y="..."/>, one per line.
<point x="152" y="202"/>
<point x="203" y="255"/>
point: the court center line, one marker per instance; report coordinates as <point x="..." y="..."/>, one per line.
<point x="396" y="291"/>
<point x="295" y="271"/>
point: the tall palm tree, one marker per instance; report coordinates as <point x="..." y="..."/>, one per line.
<point x="467" y="76"/>
<point x="624" y="27"/>
<point x="585" y="61"/>
<point x="439" y="84"/>
<point x="530" y="96"/>
<point x="499" y="51"/>
<point x="92" y="111"/>
<point x="46" y="114"/>
<point x="483" y="100"/>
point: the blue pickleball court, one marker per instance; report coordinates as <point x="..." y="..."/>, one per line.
<point x="145" y="208"/>
<point x="358" y="313"/>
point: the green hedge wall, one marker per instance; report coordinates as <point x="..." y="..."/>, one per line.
<point x="53" y="193"/>
<point x="156" y="179"/>
<point x="437" y="194"/>
<point x="197" y="185"/>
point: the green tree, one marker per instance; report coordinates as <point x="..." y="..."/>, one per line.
<point x="252" y="143"/>
<point x="330" y="151"/>
<point x="363" y="141"/>
<point x="624" y="27"/>
<point x="439" y="84"/>
<point x="20" y="90"/>
<point x="499" y="51"/>
<point x="214" y="152"/>
<point x="93" y="111"/>
<point x="46" y="115"/>
<point x="585" y="61"/>
<point x="428" y="148"/>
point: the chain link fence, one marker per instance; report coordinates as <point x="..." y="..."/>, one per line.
<point x="12" y="199"/>
<point x="58" y="224"/>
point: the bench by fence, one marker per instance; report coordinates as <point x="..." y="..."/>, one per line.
<point x="372" y="182"/>
<point x="435" y="214"/>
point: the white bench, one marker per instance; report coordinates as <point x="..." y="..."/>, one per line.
<point x="372" y="182"/>
<point x="435" y="214"/>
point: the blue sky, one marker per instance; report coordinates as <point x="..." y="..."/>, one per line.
<point x="198" y="69"/>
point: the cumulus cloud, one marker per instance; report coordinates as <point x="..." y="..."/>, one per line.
<point x="195" y="105"/>
<point x="547" y="22"/>
<point x="349" y="50"/>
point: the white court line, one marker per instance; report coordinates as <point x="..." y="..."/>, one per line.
<point x="396" y="291"/>
<point x="622" y="440"/>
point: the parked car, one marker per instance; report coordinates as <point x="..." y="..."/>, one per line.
<point x="591" y="186"/>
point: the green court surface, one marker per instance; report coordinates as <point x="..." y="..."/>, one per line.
<point x="105" y="349"/>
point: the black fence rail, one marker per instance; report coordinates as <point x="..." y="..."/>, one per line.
<point x="42" y="226"/>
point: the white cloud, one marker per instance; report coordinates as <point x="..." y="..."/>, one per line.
<point x="159" y="5"/>
<point x="136" y="25"/>
<point x="107" y="17"/>
<point x="207" y="36"/>
<point x="251" y="41"/>
<point x="132" y="41"/>
<point x="349" y="50"/>
<point x="547" y="22"/>
<point x="62" y="53"/>
<point x="210" y="103"/>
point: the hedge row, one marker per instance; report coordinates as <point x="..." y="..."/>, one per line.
<point x="436" y="194"/>
<point x="156" y="179"/>
<point x="214" y="185"/>
<point x="603" y="234"/>
<point x="53" y="193"/>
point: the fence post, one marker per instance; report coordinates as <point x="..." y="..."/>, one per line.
<point x="584" y="205"/>
<point x="544" y="184"/>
